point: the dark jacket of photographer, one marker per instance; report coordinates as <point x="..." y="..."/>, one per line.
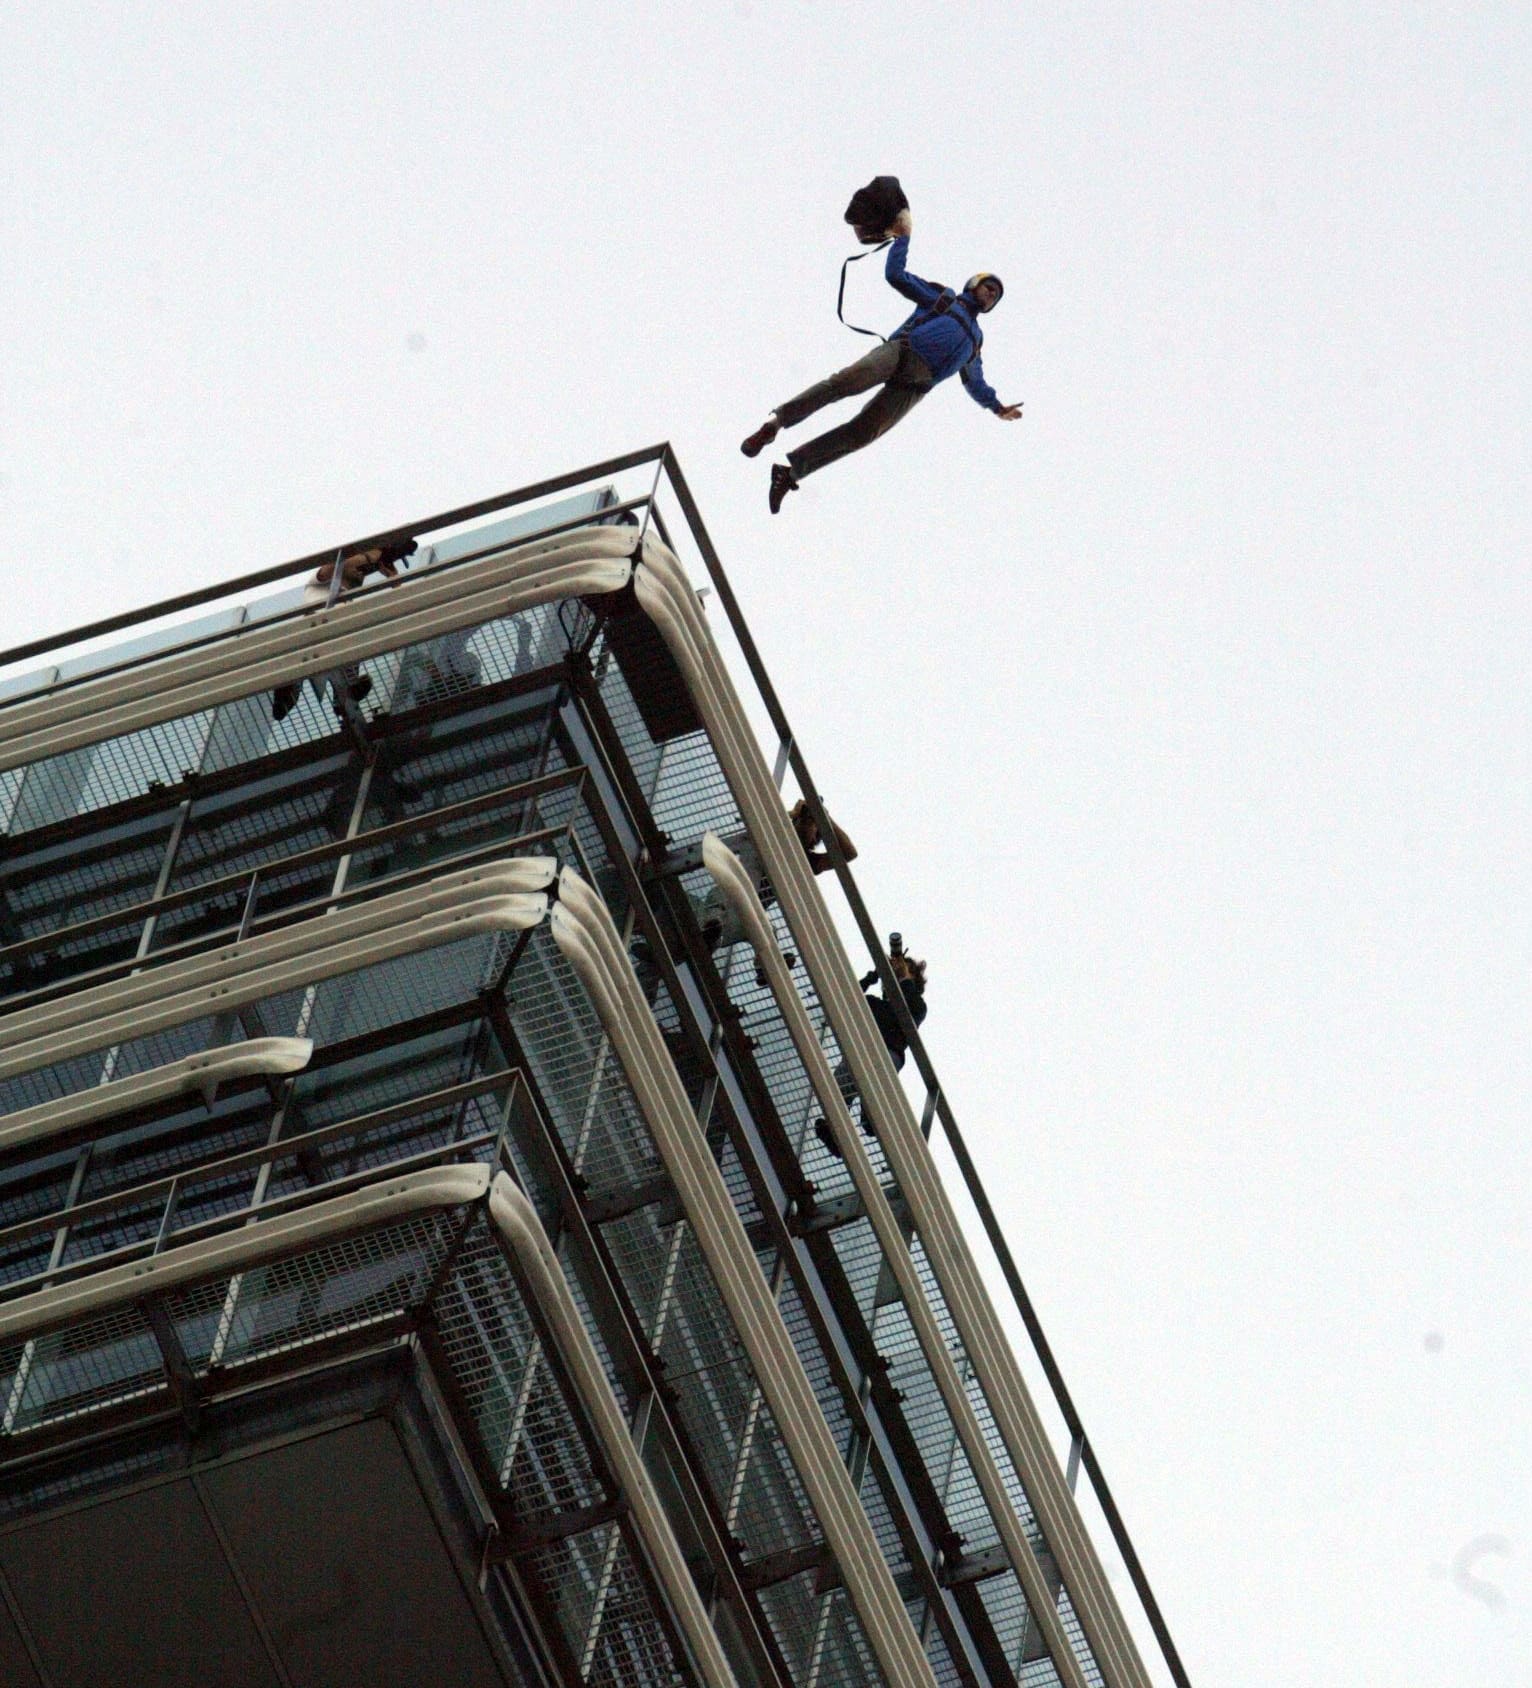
<point x="894" y="1041"/>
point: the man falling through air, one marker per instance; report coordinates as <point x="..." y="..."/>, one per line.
<point x="941" y="337"/>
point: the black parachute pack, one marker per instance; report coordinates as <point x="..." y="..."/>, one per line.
<point x="871" y="211"/>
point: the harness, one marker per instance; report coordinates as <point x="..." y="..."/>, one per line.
<point x="940" y="306"/>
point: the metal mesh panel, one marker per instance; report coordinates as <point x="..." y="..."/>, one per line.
<point x="109" y="1358"/>
<point x="99" y="775"/>
<point x="569" y="1575"/>
<point x="464" y="755"/>
<point x="354" y="1004"/>
<point x="447" y="666"/>
<point x="73" y="882"/>
<point x="642" y="752"/>
<point x="861" y="1259"/>
<point x="1079" y="1645"/>
<point x="47" y="1084"/>
<point x="378" y="1078"/>
<point x="489" y="827"/>
<point x="576" y="1073"/>
<point x="159" y="1049"/>
<point x="943" y="1666"/>
<point x="625" y="1643"/>
<point x="770" y="1510"/>
<point x="10" y="784"/>
<point x="820" y="1635"/>
<point x="245" y="730"/>
<point x="36" y="1187"/>
<point x="335" y="1287"/>
<point x="1006" y="1608"/>
<point x="141" y="1219"/>
<point x="27" y="1257"/>
<point x="190" y="1137"/>
<point x="230" y="835"/>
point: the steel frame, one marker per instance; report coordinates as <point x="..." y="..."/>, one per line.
<point x="789" y="755"/>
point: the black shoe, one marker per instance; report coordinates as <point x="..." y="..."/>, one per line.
<point x="356" y="690"/>
<point x="757" y="442"/>
<point x="783" y="481"/>
<point x="284" y="700"/>
<point x="823" y="1132"/>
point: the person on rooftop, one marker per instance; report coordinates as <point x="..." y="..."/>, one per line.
<point x="807" y="829"/>
<point x="941" y="337"/>
<point x="354" y="571"/>
<point x="911" y="976"/>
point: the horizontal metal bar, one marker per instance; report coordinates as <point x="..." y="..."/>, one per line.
<point x="605" y="1206"/>
<point x="233" y="1220"/>
<point x="287" y="1148"/>
<point x="831" y="1213"/>
<point x="783" y="1566"/>
<point x="432" y="821"/>
<point x="300" y="565"/>
<point x="527" y="1535"/>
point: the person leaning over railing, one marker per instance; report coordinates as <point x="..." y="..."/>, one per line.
<point x="720" y="925"/>
<point x="354" y="570"/>
<point x="807" y="829"/>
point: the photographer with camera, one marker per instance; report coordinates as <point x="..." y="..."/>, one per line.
<point x="911" y="976"/>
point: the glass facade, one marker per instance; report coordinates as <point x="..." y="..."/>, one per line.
<point x="141" y="866"/>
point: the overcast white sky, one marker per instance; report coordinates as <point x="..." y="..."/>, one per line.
<point x="1183" y="725"/>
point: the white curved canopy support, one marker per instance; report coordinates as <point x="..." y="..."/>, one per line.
<point x="276" y="1056"/>
<point x="238" y="1251"/>
<point x="589" y="560"/>
<point x="729" y="874"/>
<point x="516" y="1220"/>
<point x="583" y="930"/>
<point x="493" y="897"/>
<point x="669" y="599"/>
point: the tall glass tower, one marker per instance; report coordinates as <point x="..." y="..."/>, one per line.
<point x="438" y="1238"/>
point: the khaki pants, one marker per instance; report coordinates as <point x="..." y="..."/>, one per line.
<point x="895" y="367"/>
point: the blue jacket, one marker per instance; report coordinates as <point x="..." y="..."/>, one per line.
<point x="948" y="342"/>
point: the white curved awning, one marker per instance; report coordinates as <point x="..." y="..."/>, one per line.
<point x="583" y="930"/>
<point x="237" y="1251"/>
<point x="729" y="874"/>
<point x="669" y="599"/>
<point x="492" y="897"/>
<point x="274" y="1055"/>
<point x="589" y="560"/>
<point x="517" y="1221"/>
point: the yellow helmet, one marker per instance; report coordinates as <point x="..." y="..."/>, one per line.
<point x="985" y="275"/>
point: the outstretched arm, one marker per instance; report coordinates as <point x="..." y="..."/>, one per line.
<point x="901" y="279"/>
<point x="980" y="391"/>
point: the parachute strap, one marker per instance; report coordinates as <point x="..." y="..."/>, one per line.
<point x="840" y="300"/>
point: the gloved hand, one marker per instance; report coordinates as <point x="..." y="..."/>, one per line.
<point x="902" y="224"/>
